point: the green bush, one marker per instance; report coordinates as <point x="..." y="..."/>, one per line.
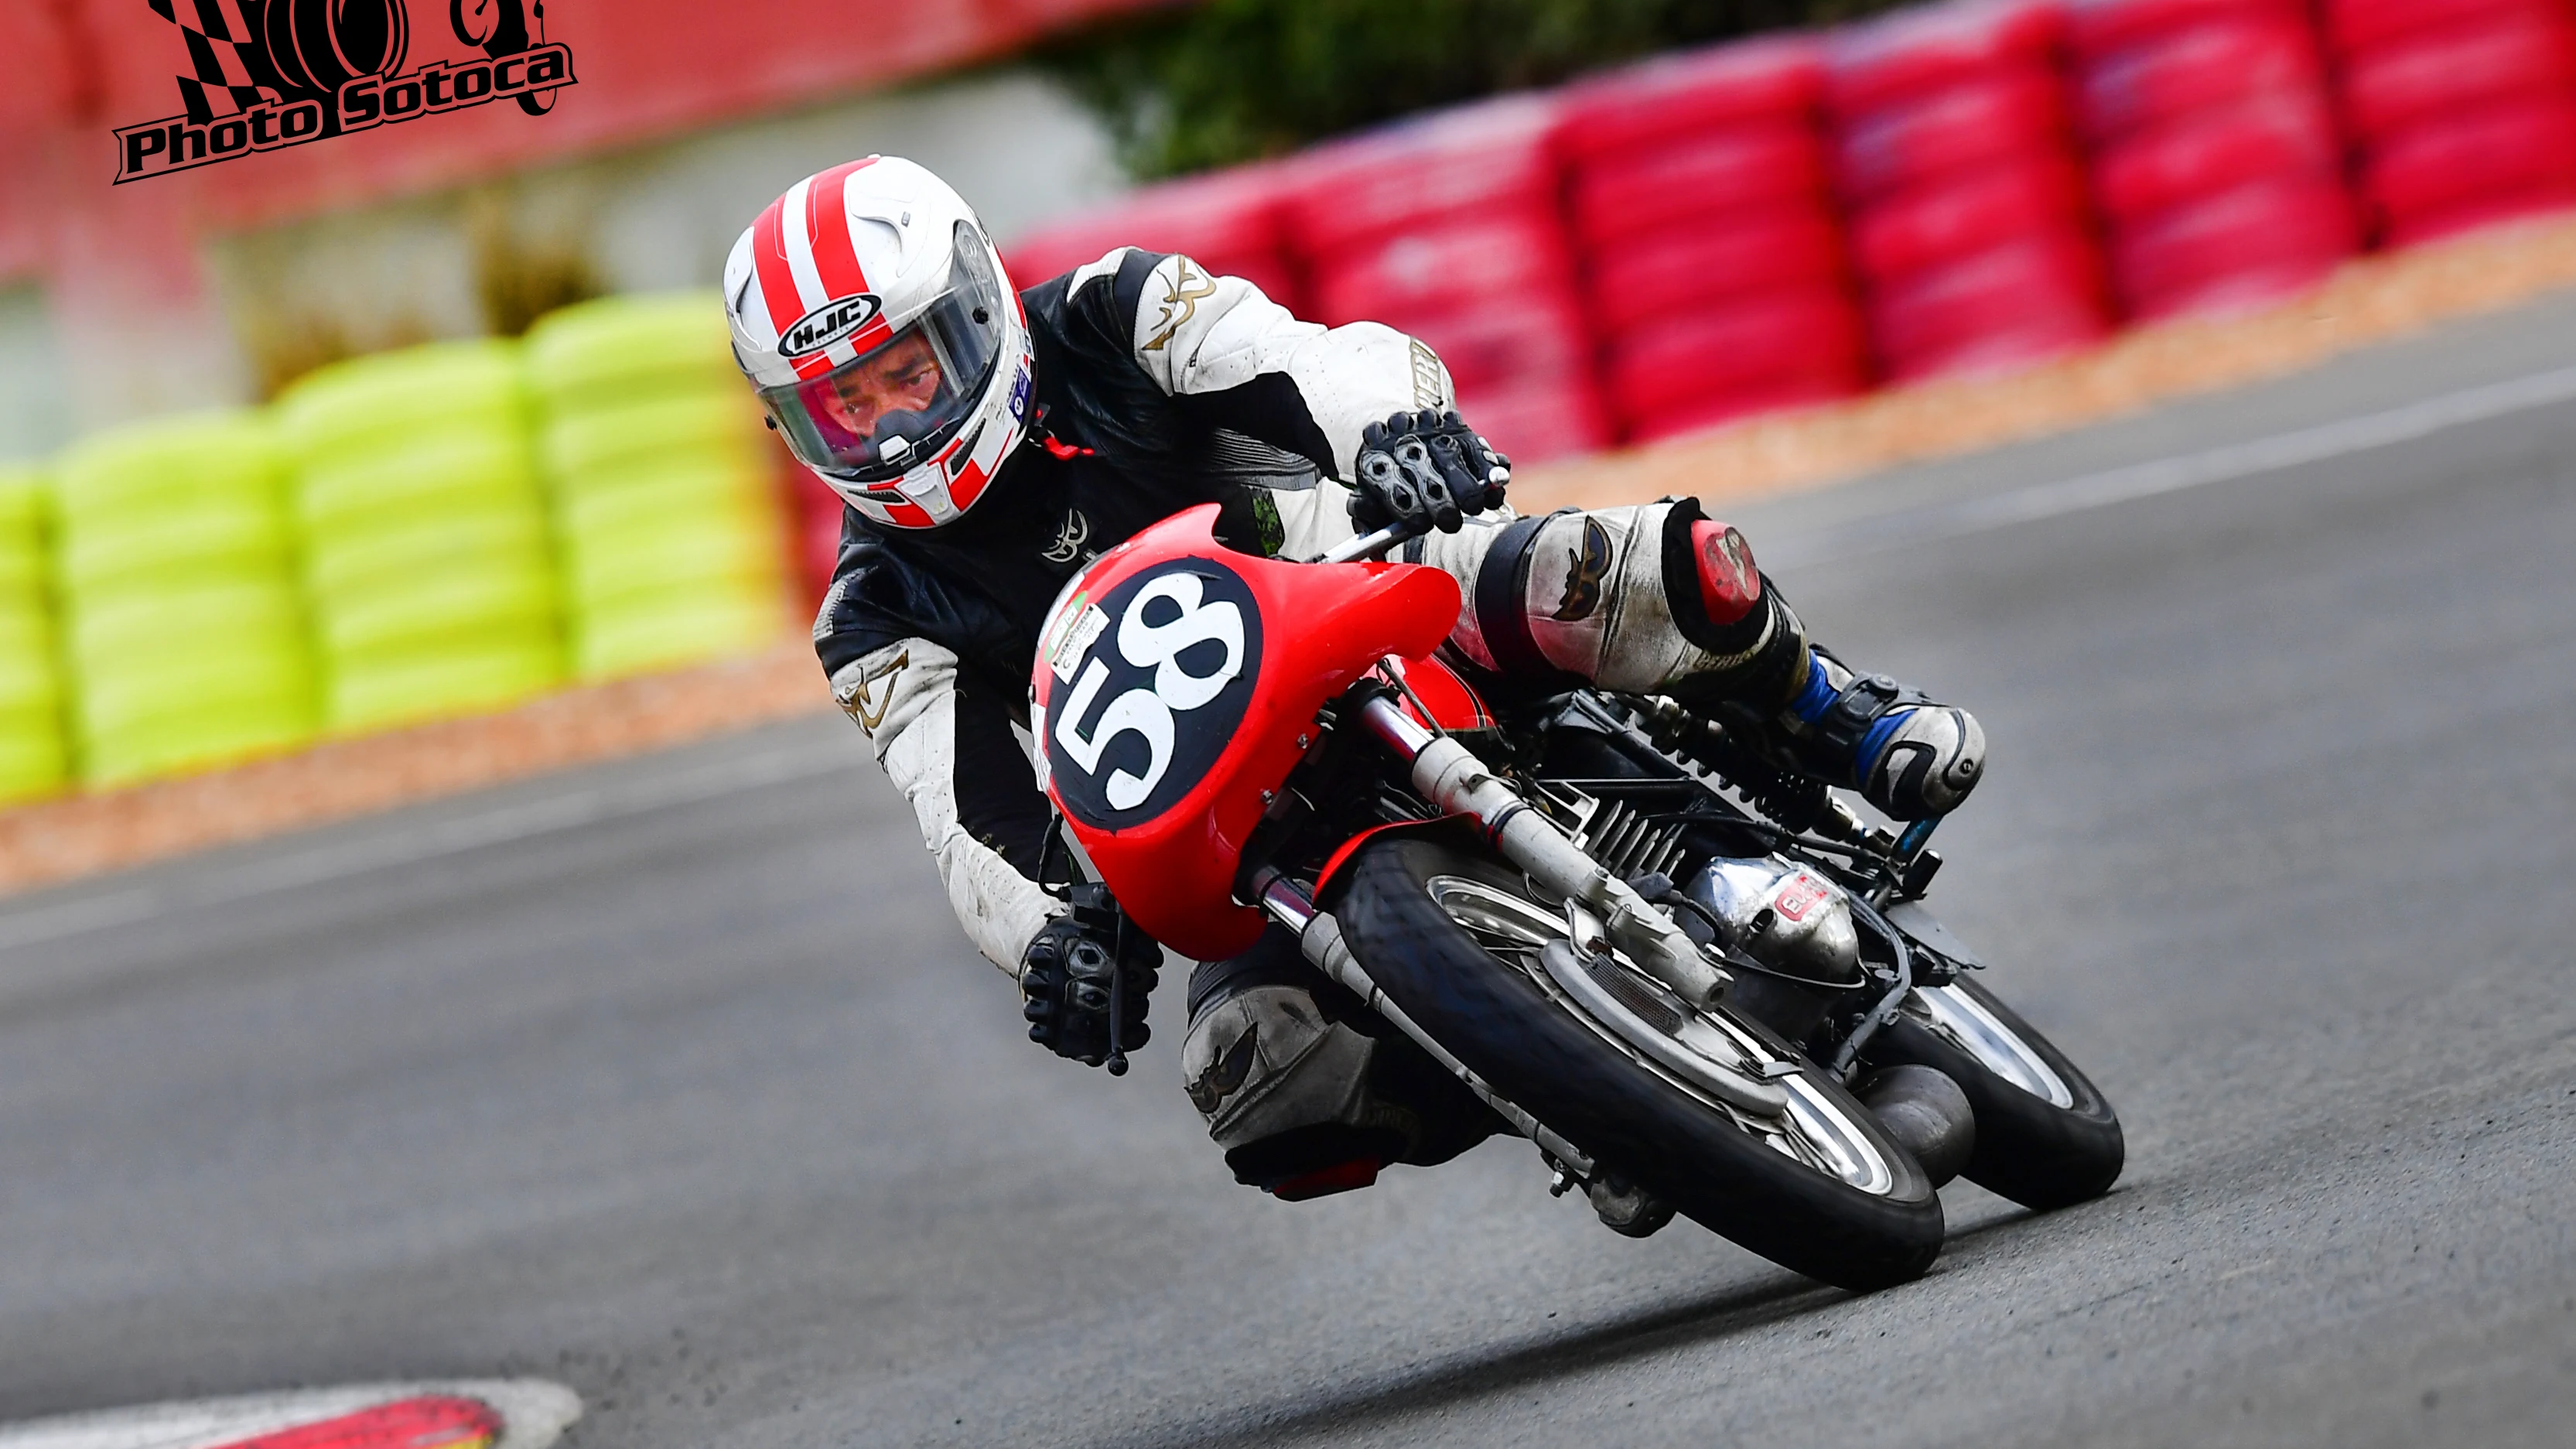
<point x="1234" y="80"/>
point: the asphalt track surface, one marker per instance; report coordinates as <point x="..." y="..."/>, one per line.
<point x="672" y="1080"/>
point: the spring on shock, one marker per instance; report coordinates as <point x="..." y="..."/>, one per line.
<point x="1793" y="801"/>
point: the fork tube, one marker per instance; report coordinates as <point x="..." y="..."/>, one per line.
<point x="1450" y="776"/>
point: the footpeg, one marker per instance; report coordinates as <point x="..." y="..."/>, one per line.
<point x="1625" y="1208"/>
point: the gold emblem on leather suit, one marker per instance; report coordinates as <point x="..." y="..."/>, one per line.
<point x="1069" y="539"/>
<point x="1226" y="1073"/>
<point x="1584" y="572"/>
<point x="864" y="702"/>
<point x="1182" y="302"/>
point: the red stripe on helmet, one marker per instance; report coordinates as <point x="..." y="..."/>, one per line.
<point x="907" y="515"/>
<point x="777" y="280"/>
<point x="827" y="222"/>
<point x="866" y="339"/>
<point x="968" y="486"/>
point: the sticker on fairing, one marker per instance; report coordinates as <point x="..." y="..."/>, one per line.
<point x="1077" y="640"/>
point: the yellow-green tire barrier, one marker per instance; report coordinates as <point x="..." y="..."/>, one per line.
<point x="182" y="634"/>
<point x="664" y="506"/>
<point x="33" y="760"/>
<point x="427" y="558"/>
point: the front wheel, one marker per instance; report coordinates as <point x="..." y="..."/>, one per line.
<point x="2046" y="1138"/>
<point x="1455" y="940"/>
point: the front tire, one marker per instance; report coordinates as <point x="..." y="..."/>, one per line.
<point x="1870" y="1221"/>
<point x="2046" y="1137"/>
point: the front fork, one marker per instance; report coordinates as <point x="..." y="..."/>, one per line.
<point x="1450" y="776"/>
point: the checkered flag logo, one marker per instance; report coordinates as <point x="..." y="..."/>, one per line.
<point x="233" y="72"/>
<point x="267" y="52"/>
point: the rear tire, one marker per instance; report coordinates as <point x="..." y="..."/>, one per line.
<point x="1534" y="1049"/>
<point x="2040" y="1153"/>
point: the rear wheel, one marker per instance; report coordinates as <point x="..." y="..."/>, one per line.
<point x="2046" y="1138"/>
<point x="1818" y="1186"/>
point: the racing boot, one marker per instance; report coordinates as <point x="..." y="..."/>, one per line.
<point x="1906" y="755"/>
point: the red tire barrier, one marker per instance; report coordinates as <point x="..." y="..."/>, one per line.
<point x="1494" y="156"/>
<point x="2245" y="245"/>
<point x="2018" y="113"/>
<point x="1538" y="338"/>
<point x="1441" y="268"/>
<point x="1919" y="230"/>
<point x="2360" y="25"/>
<point x="1543" y="417"/>
<point x="2493" y="209"/>
<point x="2518" y="148"/>
<point x="2199" y="69"/>
<point x="2099" y="28"/>
<point x="1640" y="279"/>
<point x="2200" y="155"/>
<point x="1678" y="364"/>
<point x="1228" y="223"/>
<point x="1954" y="151"/>
<point x="1775" y="394"/>
<point x="1913" y="53"/>
<point x="1450" y="228"/>
<point x="1713" y="176"/>
<point x="1756" y="83"/>
<point x="2425" y="77"/>
<point x="2017" y="303"/>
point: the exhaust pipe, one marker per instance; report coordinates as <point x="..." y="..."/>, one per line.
<point x="1926" y="1113"/>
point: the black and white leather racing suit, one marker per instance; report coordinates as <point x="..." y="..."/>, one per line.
<point x="1159" y="387"/>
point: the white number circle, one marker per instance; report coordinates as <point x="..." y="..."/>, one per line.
<point x="1147" y="712"/>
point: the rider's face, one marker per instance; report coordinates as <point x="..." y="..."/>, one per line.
<point x="904" y="377"/>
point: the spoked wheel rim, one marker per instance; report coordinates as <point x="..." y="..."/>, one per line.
<point x="1964" y="1022"/>
<point x="1812" y="1129"/>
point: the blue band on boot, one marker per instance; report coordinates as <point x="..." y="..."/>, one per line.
<point x="1817" y="697"/>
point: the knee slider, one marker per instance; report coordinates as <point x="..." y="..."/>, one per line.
<point x="1729" y="584"/>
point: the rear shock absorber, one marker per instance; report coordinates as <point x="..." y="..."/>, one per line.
<point x="1794" y="801"/>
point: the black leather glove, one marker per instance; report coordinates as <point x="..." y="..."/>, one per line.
<point x="1425" y="466"/>
<point x="1084" y="962"/>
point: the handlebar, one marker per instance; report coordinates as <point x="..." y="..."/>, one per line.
<point x="1373" y="545"/>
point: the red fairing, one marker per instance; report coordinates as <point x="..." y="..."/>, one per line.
<point x="1176" y="681"/>
<point x="1436" y="687"/>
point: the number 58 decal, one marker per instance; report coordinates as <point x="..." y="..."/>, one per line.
<point x="1151" y="684"/>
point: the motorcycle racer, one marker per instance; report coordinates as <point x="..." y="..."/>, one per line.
<point x="989" y="442"/>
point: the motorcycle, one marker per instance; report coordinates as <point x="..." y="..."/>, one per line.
<point x="1698" y="983"/>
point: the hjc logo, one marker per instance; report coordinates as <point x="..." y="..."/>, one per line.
<point x="267" y="74"/>
<point x="828" y="324"/>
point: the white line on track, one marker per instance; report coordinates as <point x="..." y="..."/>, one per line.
<point x="2254" y="458"/>
<point x="533" y="1415"/>
<point x="526" y="820"/>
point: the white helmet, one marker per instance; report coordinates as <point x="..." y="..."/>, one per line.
<point x="872" y="313"/>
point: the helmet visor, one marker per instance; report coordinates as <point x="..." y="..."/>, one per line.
<point x="880" y="414"/>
